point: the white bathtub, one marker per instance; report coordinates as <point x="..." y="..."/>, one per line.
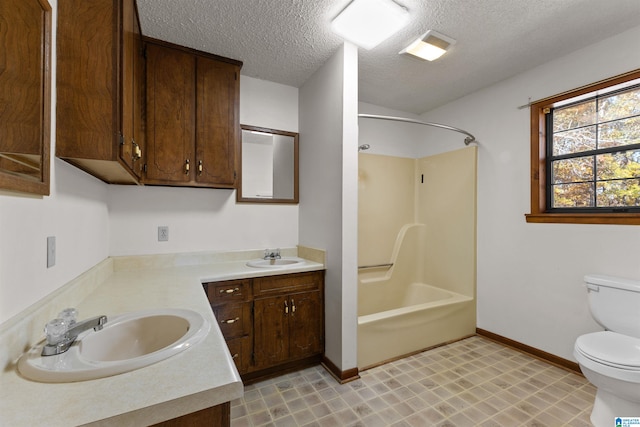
<point x="396" y="320"/>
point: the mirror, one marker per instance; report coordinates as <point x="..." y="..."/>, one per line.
<point x="268" y="166"/>
<point x="25" y="94"/>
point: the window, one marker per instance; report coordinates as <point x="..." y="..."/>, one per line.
<point x="585" y="154"/>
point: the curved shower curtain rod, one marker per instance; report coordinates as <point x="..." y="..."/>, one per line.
<point x="468" y="140"/>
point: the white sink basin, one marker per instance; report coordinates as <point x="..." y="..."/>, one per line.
<point x="127" y="342"/>
<point x="275" y="263"/>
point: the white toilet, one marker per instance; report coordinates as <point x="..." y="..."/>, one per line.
<point x="611" y="359"/>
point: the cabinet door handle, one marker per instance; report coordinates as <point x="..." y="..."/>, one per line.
<point x="200" y="167"/>
<point x="286" y="308"/>
<point x="293" y="306"/>
<point x="235" y="356"/>
<point x="229" y="321"/>
<point x="229" y="291"/>
<point x="186" y="167"/>
<point x="137" y="152"/>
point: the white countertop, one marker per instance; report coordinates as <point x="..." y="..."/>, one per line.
<point x="197" y="378"/>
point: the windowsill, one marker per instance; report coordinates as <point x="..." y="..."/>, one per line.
<point x="582" y="218"/>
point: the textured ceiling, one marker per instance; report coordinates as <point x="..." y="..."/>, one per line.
<point x="286" y="41"/>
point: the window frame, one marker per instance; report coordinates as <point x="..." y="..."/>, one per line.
<point x="538" y="110"/>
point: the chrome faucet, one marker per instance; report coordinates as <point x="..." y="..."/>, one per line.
<point x="61" y="333"/>
<point x="273" y="255"/>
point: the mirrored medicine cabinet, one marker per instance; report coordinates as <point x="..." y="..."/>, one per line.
<point x="25" y="94"/>
<point x="268" y="166"/>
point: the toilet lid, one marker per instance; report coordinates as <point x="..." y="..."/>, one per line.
<point x="611" y="349"/>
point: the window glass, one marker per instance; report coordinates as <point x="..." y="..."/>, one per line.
<point x="594" y="159"/>
<point x="574" y="140"/>
<point x="619" y="105"/>
<point x="579" y="195"/>
<point x="618" y="193"/>
<point x="619" y="133"/>
<point x="574" y="116"/>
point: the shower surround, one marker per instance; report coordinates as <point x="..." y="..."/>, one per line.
<point x="417" y="253"/>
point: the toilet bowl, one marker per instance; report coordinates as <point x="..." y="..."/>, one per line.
<point x="611" y="360"/>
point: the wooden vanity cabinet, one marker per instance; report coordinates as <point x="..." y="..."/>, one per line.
<point x="215" y="416"/>
<point x="100" y="88"/>
<point x="271" y="323"/>
<point x="192" y="117"/>
<point x="288" y="318"/>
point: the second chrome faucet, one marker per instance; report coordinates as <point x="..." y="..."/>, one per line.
<point x="272" y="254"/>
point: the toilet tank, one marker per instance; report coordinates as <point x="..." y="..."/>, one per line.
<point x="615" y="303"/>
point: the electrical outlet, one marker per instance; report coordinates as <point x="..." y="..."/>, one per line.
<point x="163" y="233"/>
<point x="51" y="251"/>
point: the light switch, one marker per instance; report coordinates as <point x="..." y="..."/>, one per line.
<point x="51" y="251"/>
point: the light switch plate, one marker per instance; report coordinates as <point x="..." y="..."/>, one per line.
<point x="51" y="251"/>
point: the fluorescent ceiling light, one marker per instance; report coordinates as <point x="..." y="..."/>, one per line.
<point x="367" y="23"/>
<point x="430" y="46"/>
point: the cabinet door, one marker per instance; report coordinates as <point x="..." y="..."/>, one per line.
<point x="170" y="115"/>
<point x="139" y="100"/>
<point x="305" y="324"/>
<point x="217" y="122"/>
<point x="87" y="122"/>
<point x="271" y="344"/>
<point x="132" y="95"/>
<point x="128" y="83"/>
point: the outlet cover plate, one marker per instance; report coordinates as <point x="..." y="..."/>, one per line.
<point x="163" y="233"/>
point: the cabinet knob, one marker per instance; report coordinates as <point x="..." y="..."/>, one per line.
<point x="187" y="167"/>
<point x="235" y="356"/>
<point x="200" y="167"/>
<point x="229" y="321"/>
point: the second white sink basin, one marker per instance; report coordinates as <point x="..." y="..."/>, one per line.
<point x="127" y="342"/>
<point x="275" y="263"/>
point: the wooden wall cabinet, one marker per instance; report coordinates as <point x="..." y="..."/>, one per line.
<point x="271" y="324"/>
<point x="100" y="88"/>
<point x="192" y="117"/>
<point x="25" y="95"/>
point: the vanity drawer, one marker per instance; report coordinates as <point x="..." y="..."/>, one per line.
<point x="228" y="291"/>
<point x="234" y="319"/>
<point x="240" y="349"/>
<point x="287" y="283"/>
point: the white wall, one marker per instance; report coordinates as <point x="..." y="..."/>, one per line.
<point x="328" y="193"/>
<point x="268" y="104"/>
<point x="390" y="138"/>
<point x="75" y="213"/>
<point x="530" y="275"/>
<point x="209" y="219"/>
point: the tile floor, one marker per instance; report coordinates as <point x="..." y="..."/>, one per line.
<point x="473" y="382"/>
